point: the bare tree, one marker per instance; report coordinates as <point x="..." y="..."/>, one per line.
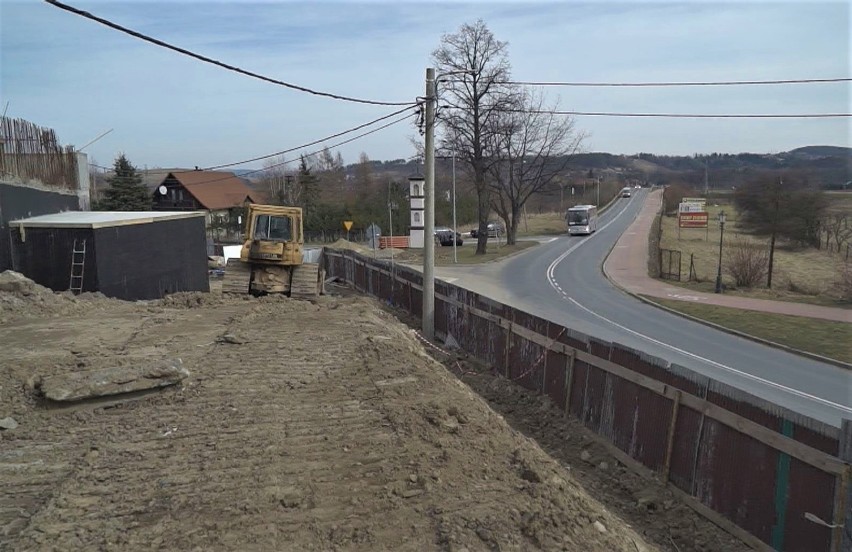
<point x="472" y="69"/>
<point x="277" y="179"/>
<point x="781" y="207"/>
<point x="330" y="174"/>
<point x="533" y="148"/>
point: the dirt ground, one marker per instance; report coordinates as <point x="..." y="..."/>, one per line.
<point x="315" y="426"/>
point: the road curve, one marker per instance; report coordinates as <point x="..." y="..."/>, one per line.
<point x="562" y="281"/>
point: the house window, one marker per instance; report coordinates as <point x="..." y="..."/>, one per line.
<point x="416" y="218"/>
<point x="417" y="189"/>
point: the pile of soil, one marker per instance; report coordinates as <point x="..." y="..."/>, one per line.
<point x="317" y="425"/>
<point x="21" y="297"/>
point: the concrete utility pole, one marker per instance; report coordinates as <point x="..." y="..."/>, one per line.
<point x="598" y="200"/>
<point x="455" y="226"/>
<point x="428" y="324"/>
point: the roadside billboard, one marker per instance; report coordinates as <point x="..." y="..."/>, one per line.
<point x="693" y="219"/>
<point x="691" y="207"/>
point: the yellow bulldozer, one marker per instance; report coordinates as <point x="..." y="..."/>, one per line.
<point x="273" y="258"/>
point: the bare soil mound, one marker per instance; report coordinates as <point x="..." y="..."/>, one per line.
<point x="303" y="426"/>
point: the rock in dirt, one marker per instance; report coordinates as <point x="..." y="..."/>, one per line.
<point x="585" y="456"/>
<point x="231" y="338"/>
<point x="113" y="381"/>
<point x="8" y="423"/>
<point x="601" y="528"/>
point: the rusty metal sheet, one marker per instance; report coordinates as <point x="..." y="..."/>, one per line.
<point x="594" y="388"/>
<point x="360" y="277"/>
<point x="735" y="475"/>
<point x="555" y="368"/>
<point x="636" y="420"/>
<point x="809" y="490"/>
<point x="805" y="430"/>
<point x="525" y="357"/>
<point x="685" y="448"/>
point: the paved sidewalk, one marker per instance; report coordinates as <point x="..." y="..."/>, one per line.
<point x="627" y="267"/>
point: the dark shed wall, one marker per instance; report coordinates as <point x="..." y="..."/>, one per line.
<point x="44" y="256"/>
<point x="147" y="261"/>
<point x="20" y="202"/>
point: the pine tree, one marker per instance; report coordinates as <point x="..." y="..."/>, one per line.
<point x="126" y="191"/>
<point x="309" y="185"/>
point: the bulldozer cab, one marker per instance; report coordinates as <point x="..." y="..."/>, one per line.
<point x="273" y="235"/>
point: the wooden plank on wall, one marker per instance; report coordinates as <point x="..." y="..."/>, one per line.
<point x="667" y="463"/>
<point x="841" y="536"/>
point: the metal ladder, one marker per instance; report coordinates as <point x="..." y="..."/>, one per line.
<point x="78" y="260"/>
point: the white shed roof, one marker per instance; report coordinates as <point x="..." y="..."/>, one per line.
<point x="101" y="219"/>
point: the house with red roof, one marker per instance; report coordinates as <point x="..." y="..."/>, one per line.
<point x="222" y="194"/>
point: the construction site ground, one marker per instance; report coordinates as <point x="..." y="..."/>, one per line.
<point x="304" y="425"/>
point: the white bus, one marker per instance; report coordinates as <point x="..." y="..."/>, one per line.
<point x="582" y="219"/>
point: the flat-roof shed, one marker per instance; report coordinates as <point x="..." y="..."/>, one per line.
<point x="128" y="254"/>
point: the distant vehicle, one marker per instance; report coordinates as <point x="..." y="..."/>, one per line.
<point x="626" y="192"/>
<point x="582" y="219"/>
<point x="637" y="186"/>
<point x="444" y="236"/>
<point x="495" y="229"/>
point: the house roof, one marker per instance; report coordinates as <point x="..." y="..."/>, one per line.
<point x="215" y="189"/>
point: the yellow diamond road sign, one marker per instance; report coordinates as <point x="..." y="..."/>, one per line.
<point x="347" y="224"/>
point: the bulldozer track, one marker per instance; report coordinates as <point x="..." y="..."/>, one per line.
<point x="304" y="282"/>
<point x="237" y="277"/>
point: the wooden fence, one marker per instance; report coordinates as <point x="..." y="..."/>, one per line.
<point x="750" y="466"/>
<point x="29" y="152"/>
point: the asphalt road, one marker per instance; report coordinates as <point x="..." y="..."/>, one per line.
<point x="562" y="281"/>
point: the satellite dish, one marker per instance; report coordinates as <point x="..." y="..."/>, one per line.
<point x="163" y="190"/>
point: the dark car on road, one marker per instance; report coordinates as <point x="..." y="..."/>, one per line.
<point x="494" y="229"/>
<point x="444" y="236"/>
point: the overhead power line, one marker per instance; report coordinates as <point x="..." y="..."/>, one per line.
<point x="672" y="115"/>
<point x="206" y="59"/>
<point x="653" y="84"/>
<point x="288" y="161"/>
<point x="309" y="144"/>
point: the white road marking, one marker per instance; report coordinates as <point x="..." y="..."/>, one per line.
<point x="683" y="297"/>
<point x="552" y="281"/>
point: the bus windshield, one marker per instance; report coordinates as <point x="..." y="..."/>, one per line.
<point x="578" y="218"/>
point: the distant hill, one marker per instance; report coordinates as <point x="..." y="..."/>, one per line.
<point x="822" y="151"/>
<point x="828" y="167"/>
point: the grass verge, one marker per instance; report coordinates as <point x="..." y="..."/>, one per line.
<point x="822" y="337"/>
<point x="467" y="254"/>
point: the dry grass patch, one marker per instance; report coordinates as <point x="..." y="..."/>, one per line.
<point x="803" y="275"/>
<point x="822" y="337"/>
<point x="542" y="224"/>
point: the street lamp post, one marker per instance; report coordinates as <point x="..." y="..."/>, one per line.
<point x="721" y="237"/>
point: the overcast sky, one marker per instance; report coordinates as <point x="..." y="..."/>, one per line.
<point x="80" y="78"/>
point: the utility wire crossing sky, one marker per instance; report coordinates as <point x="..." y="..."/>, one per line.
<point x="307" y="47"/>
